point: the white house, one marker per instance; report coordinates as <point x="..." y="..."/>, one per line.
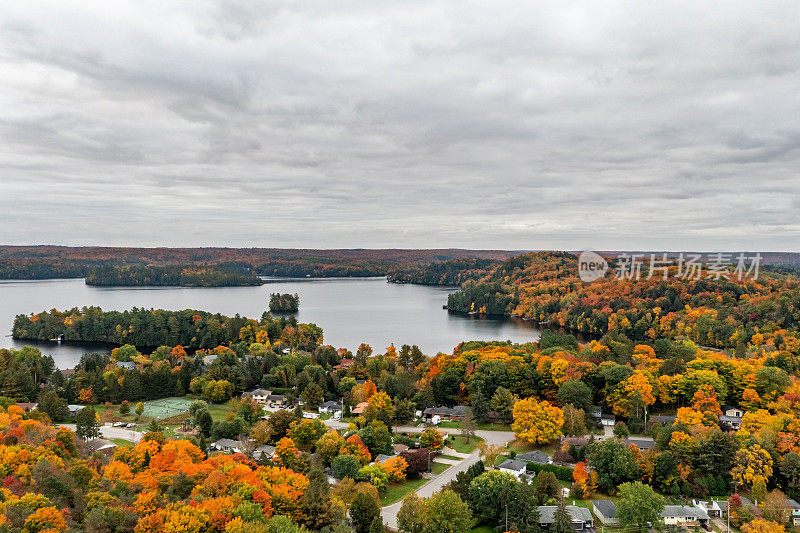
<point x="513" y="467"/>
<point x="330" y="407"/>
<point x="674" y="515"/>
<point x="729" y="410"/>
<point x="309" y="414"/>
<point x="711" y="507"/>
<point x="226" y="445"/>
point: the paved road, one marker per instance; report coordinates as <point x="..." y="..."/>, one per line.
<point x="107" y="432"/>
<point x="389" y="513"/>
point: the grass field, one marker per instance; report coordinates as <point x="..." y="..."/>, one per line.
<point x="460" y="444"/>
<point x="396" y="492"/>
<point x="451" y="457"/>
<point x="438" y="468"/>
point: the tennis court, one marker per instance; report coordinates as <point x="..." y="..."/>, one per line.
<point x="166" y="407"/>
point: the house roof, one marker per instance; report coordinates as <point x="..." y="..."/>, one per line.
<point x="684" y="511"/>
<point x="730" y="419"/>
<point x="258" y="392"/>
<point x="513" y="464"/>
<point x="641" y="443"/>
<point x="536" y="456"/>
<point x="793" y="504"/>
<point x="330" y="404"/>
<point x="226" y="443"/>
<point x="578" y="514"/>
<point x="729" y="407"/>
<point x="358" y="409"/>
<point x="662" y="418"/>
<point x="605" y="507"/>
<point x="382" y="457"/>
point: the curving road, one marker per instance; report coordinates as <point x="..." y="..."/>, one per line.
<point x="389" y="513"/>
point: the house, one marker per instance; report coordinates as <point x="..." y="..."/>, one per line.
<point x="74" y="409"/>
<point x="643" y="443"/>
<point x="399" y="448"/>
<point x="226" y="445"/>
<point x="574" y="441"/>
<point x="606" y="512"/>
<point x="106" y="447"/>
<point x="330" y="407"/>
<point x="731" y="422"/>
<point x="608" y="420"/>
<point x="795" y="517"/>
<point x="381" y="458"/>
<point x="661" y="419"/>
<point x="263" y="451"/>
<point x="514" y="467"/>
<point x="345" y="364"/>
<point x="674" y="515"/>
<point x="711" y="507"/>
<point x="596" y="412"/>
<point x="276" y="401"/>
<point x="127" y="365"/>
<point x="729" y="410"/>
<point x="359" y="409"/>
<point x="581" y="516"/>
<point x="458" y="412"/>
<point x="311" y="415"/>
<point x="260" y="396"/>
<point x="536" y="456"/>
<point x="27" y="406"/>
<point x="446" y="413"/>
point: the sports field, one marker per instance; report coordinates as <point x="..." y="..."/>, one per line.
<point x="166" y="407"/>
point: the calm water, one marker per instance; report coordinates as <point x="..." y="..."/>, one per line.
<point x="349" y="310"/>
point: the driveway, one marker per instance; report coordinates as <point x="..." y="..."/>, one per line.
<point x="389" y="513"/>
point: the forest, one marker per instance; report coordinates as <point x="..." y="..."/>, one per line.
<point x="449" y="273"/>
<point x="722" y="313"/>
<point x="42" y="262"/>
<point x="148" y="327"/>
<point x="173" y="275"/>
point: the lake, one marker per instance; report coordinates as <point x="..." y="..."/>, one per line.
<point x="349" y="310"/>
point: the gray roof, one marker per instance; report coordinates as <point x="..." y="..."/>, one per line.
<point x="227" y="443"/>
<point x="662" y="418"/>
<point x="605" y="507"/>
<point x="128" y="365"/>
<point x="513" y="464"/>
<point x="382" y="457"/>
<point x="793" y="504"/>
<point x="264" y="449"/>
<point x="580" y="514"/>
<point x="730" y="419"/>
<point x="684" y="511"/>
<point x="330" y="404"/>
<point x="99" y="444"/>
<point x="536" y="456"/>
<point x="641" y="443"/>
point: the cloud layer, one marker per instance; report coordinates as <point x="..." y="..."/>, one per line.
<point x="518" y="125"/>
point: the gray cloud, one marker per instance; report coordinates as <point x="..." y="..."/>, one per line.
<point x="418" y="124"/>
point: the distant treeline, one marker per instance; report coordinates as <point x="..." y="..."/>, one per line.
<point x="285" y="303"/>
<point x="453" y="272"/>
<point x="173" y="275"/>
<point x="41" y="262"/>
<point x="157" y="327"/>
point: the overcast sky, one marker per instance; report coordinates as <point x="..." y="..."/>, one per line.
<point x="660" y="125"/>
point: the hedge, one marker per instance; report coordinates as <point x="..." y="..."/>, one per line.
<point x="564" y="473"/>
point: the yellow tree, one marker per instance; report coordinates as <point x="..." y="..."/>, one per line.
<point x="632" y="395"/>
<point x="537" y="422"/>
<point x="759" y="525"/>
<point x="750" y="463"/>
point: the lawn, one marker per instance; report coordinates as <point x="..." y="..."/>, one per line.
<point x="482" y="529"/>
<point x="459" y="443"/>
<point x="494" y="427"/>
<point x="450" y="425"/>
<point x="438" y="468"/>
<point x="395" y="492"/>
<point x="122" y="442"/>
<point x="218" y="412"/>
<point x="451" y="457"/>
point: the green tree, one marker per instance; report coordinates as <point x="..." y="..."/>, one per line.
<point x="363" y="511"/>
<point x="411" y="516"/>
<point x="139" y="409"/>
<point x="403" y="411"/>
<point x="614" y="464"/>
<point x="345" y="466"/>
<point x="312" y="397"/>
<point x="562" y="522"/>
<point x="316" y="502"/>
<point x="377" y="525"/>
<point x="547" y="487"/>
<point x="480" y="407"/>
<point x="639" y="505"/>
<point x="576" y="393"/>
<point x="503" y="404"/>
<point x="574" y="421"/>
<point x="53" y="406"/>
<point x="468" y="425"/>
<point x="124" y="407"/>
<point x="445" y="512"/>
<point x="86" y="425"/>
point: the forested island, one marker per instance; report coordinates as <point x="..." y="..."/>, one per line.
<point x="284" y="303"/>
<point x="157" y="327"/>
<point x="452" y="273"/>
<point x="172" y="276"/>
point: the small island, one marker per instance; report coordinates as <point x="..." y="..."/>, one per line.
<point x="284" y="303"/>
<point x="172" y="276"/>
